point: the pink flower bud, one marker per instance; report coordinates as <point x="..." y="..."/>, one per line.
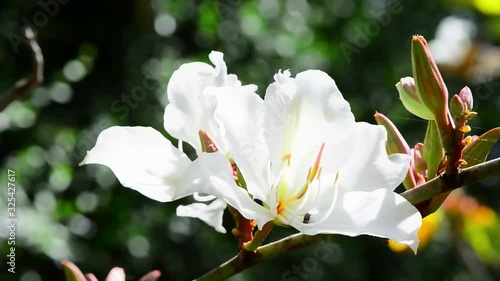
<point x="466" y="96"/>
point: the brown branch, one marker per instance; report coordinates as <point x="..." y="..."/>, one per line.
<point x="443" y="184"/>
<point x="245" y="259"/>
<point x="24" y="86"/>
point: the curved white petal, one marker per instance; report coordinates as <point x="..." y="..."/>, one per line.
<point x="303" y="112"/>
<point x="142" y="159"/>
<point x="211" y="174"/>
<point x="239" y="115"/>
<point x="363" y="163"/>
<point x="380" y="213"/>
<point x="211" y="213"/>
<point x="186" y="114"/>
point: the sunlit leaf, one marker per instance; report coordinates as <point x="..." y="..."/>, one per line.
<point x="476" y="152"/>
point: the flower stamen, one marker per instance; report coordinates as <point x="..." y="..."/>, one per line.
<point x="314" y="170"/>
<point x="314" y="173"/>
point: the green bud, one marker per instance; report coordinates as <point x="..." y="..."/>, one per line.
<point x="457" y="107"/>
<point x="429" y="83"/>
<point x="411" y="100"/>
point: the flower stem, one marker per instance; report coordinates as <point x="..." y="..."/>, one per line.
<point x="258" y="238"/>
<point x="426" y="191"/>
<point x="243" y="230"/>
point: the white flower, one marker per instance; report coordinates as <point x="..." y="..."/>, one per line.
<point x="144" y="160"/>
<point x="306" y="162"/>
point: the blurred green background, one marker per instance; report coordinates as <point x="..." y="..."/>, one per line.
<point x="99" y="54"/>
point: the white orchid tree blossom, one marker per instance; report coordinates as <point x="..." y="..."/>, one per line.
<point x="306" y="162"/>
<point x="144" y="160"/>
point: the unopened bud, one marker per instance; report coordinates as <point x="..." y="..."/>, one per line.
<point x="396" y="144"/>
<point x="430" y="85"/>
<point x="418" y="160"/>
<point x="466" y="96"/>
<point x="395" y="141"/>
<point x="207" y="144"/>
<point x="411" y="100"/>
<point x="457" y="107"/>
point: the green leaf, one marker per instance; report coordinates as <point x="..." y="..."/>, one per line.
<point x="433" y="151"/>
<point x="72" y="272"/>
<point x="476" y="152"/>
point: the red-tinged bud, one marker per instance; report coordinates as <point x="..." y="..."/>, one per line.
<point x="429" y="83"/>
<point x="151" y="276"/>
<point x="418" y="160"/>
<point x="396" y="144"/>
<point x="395" y="141"/>
<point x="72" y="272"/>
<point x="207" y="144"/>
<point x="467" y="99"/>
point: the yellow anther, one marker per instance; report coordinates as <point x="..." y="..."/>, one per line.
<point x="287" y="158"/>
<point x="336" y="178"/>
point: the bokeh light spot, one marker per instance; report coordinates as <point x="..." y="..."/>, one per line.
<point x="165" y="25"/>
<point x="138" y="246"/>
<point x="74" y="70"/>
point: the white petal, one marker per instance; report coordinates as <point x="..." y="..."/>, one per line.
<point x="239" y="114"/>
<point x="364" y="163"/>
<point x="302" y="113"/>
<point x="211" y="174"/>
<point x="211" y="213"/>
<point x="217" y="58"/>
<point x="185" y="114"/>
<point x="380" y="213"/>
<point x="142" y="159"/>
